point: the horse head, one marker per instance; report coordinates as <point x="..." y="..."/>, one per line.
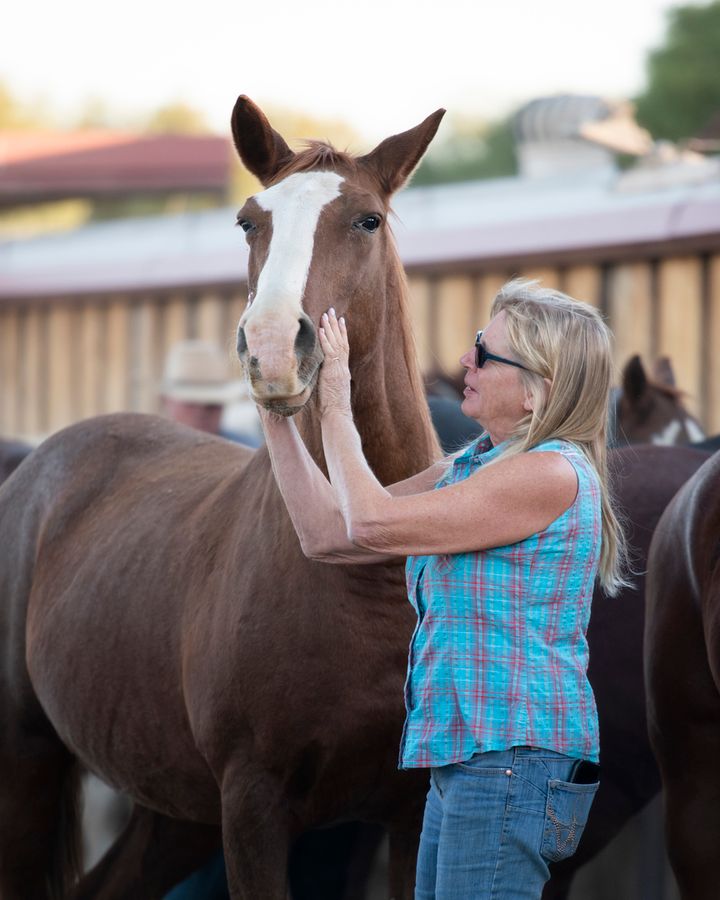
<point x="318" y="236"/>
<point x="650" y="410"/>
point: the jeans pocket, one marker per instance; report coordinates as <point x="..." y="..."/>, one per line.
<point x="566" y="813"/>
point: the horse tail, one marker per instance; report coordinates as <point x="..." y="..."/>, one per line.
<point x="65" y="856"/>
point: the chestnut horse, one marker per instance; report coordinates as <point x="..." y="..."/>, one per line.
<point x="682" y="646"/>
<point x="160" y="625"/>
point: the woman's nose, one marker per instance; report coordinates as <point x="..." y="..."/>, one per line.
<point x="467" y="360"/>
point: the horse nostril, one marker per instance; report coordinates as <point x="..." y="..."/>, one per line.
<point x="241" y="342"/>
<point x="305" y="338"/>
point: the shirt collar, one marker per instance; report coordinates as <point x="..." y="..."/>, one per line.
<point x="480" y="451"/>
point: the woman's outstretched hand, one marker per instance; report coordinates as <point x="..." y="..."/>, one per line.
<point x="334" y="383"/>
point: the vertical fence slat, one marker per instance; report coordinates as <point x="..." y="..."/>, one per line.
<point x="33" y="369"/>
<point x="420" y="317"/>
<point x="455" y="320"/>
<point x="630" y="311"/>
<point x="146" y="367"/>
<point x="548" y="277"/>
<point x="61" y="359"/>
<point x="210" y="318"/>
<point x="9" y="352"/>
<point x="488" y="287"/>
<point x="680" y="323"/>
<point x="175" y="321"/>
<point x="117" y="365"/>
<point x="583" y="283"/>
<point x="93" y="334"/>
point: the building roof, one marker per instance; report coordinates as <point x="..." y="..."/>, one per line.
<point x="478" y="224"/>
<point x="39" y="166"/>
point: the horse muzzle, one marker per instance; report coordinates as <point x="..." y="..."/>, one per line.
<point x="281" y="367"/>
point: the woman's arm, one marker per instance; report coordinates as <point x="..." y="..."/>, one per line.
<point x="311" y="500"/>
<point x="498" y="505"/>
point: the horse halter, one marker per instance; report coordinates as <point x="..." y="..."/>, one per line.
<point x="482" y="356"/>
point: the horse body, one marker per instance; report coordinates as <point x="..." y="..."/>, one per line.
<point x="190" y="653"/>
<point x="159" y="622"/>
<point x="682" y="663"/>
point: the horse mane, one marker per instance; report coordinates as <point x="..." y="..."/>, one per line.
<point x="316" y="155"/>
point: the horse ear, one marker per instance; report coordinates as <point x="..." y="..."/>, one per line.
<point x="262" y="150"/>
<point x="393" y="161"/>
<point x="663" y="371"/>
<point x="634" y="379"/>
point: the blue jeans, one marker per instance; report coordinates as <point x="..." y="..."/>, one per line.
<point x="492" y="825"/>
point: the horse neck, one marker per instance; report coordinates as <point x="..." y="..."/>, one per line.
<point x="388" y="400"/>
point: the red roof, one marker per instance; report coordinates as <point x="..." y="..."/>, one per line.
<point x="37" y="167"/>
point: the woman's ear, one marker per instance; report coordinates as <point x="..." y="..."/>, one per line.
<point x="529" y="400"/>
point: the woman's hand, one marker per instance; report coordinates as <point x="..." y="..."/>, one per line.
<point x="334" y="383"/>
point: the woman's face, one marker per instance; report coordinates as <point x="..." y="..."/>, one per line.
<point x="494" y="396"/>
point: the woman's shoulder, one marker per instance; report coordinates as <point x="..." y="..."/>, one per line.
<point x="575" y="455"/>
<point x="561" y="445"/>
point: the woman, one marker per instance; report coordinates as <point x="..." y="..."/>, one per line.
<point x="502" y="559"/>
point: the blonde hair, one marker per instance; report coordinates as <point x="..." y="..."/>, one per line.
<point x="566" y="342"/>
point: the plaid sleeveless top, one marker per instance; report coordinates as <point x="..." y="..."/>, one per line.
<point x="499" y="655"/>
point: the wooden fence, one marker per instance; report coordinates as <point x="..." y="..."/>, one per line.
<point x="66" y="358"/>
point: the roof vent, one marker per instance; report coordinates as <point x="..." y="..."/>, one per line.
<point x="574" y="134"/>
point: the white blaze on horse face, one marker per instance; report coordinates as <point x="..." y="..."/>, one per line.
<point x="271" y="323"/>
<point x="694" y="431"/>
<point x="669" y="435"/>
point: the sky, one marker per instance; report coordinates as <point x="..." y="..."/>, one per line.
<point x="379" y="65"/>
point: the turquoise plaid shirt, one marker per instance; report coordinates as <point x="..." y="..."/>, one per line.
<point x="499" y="656"/>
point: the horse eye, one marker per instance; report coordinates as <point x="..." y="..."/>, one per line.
<point x="370" y="223"/>
<point x="245" y="224"/>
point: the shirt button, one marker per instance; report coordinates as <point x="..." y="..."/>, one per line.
<point x="508" y="771"/>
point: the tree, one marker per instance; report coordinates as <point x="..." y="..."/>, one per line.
<point x="683" y="90"/>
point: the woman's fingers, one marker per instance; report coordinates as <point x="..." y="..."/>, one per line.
<point x="333" y="334"/>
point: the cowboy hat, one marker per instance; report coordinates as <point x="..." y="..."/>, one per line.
<point x="199" y="372"/>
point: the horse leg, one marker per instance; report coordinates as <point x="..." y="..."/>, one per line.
<point x="152" y="854"/>
<point x="256" y="836"/>
<point x="39" y="820"/>
<point x="684" y="723"/>
<point x="692" y="810"/>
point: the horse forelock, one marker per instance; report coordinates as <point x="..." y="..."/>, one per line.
<point x="317" y="155"/>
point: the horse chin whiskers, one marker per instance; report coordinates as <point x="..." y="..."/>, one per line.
<point x="289" y="405"/>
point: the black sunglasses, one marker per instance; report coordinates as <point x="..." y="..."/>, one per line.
<point x="482" y="356"/>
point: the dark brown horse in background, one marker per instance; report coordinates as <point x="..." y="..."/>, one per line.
<point x="683" y="676"/>
<point x="159" y="623"/>
<point x="649" y="409"/>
